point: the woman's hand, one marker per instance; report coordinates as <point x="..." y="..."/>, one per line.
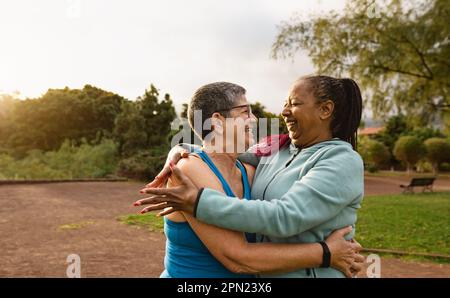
<point x="345" y="255"/>
<point x="181" y="197"/>
<point x="174" y="156"/>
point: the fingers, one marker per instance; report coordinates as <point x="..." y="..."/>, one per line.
<point x="356" y="246"/>
<point x="160" y="206"/>
<point x="166" y="211"/>
<point x="179" y="175"/>
<point x="145" y="201"/>
<point x="179" y="155"/>
<point x="156" y="191"/>
<point x="344" y="231"/>
<point x="356" y="268"/>
<point x="153" y="200"/>
<point x="348" y="273"/>
<point x="161" y="178"/>
<point x="360" y="258"/>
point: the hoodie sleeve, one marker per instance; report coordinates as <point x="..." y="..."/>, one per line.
<point x="334" y="182"/>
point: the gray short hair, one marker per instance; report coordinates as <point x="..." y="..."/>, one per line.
<point x="211" y="98"/>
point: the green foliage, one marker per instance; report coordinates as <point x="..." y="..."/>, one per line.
<point x="70" y="161"/>
<point x="130" y="129"/>
<point x="145" y="123"/>
<point x="374" y="153"/>
<point x="414" y="223"/>
<point x="438" y="151"/>
<point x="410" y="150"/>
<point x="44" y="123"/>
<point x="102" y="127"/>
<point x="395" y="126"/>
<point x="144" y="165"/>
<point x="424" y="133"/>
<point x="188" y="135"/>
<point x="259" y="110"/>
<point x="399" y="53"/>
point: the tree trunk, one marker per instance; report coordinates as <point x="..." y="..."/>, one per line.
<point x="408" y="168"/>
<point x="435" y="168"/>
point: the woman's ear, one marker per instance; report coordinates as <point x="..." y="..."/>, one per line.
<point x="217" y="123"/>
<point x="326" y="109"/>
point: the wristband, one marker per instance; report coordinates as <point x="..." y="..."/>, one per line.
<point x="197" y="200"/>
<point x="326" y="258"/>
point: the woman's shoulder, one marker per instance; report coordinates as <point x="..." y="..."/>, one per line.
<point x="192" y="165"/>
<point x="343" y="153"/>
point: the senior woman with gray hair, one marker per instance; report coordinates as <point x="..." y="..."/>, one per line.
<point x="198" y="249"/>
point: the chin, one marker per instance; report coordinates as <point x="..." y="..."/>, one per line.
<point x="295" y="139"/>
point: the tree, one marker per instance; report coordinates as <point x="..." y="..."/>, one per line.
<point x="45" y="122"/>
<point x="394" y="127"/>
<point x="7" y="105"/>
<point x="145" y="123"/>
<point x="399" y="53"/>
<point x="260" y="112"/>
<point x="424" y="133"/>
<point x="438" y="151"/>
<point x="374" y="153"/>
<point x="158" y="116"/>
<point x="410" y="150"/>
<point x="129" y="130"/>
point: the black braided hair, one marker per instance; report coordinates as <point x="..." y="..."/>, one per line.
<point x="347" y="100"/>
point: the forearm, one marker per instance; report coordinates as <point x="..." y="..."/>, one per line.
<point x="320" y="195"/>
<point x="271" y="218"/>
<point x="275" y="258"/>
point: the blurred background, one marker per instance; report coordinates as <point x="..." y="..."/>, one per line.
<point x="89" y="90"/>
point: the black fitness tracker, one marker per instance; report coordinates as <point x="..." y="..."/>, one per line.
<point x="326" y="258"/>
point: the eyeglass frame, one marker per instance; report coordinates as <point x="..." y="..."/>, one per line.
<point x="248" y="106"/>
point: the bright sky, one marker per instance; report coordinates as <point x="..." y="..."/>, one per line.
<point x="124" y="46"/>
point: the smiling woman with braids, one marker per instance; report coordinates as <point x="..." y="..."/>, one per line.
<point x="305" y="186"/>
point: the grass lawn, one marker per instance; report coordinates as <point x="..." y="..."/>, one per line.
<point x="403" y="174"/>
<point x="413" y="223"/>
<point x="149" y="221"/>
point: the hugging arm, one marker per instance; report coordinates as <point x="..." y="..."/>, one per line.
<point x="331" y="185"/>
<point x="239" y="256"/>
<point x="181" y="151"/>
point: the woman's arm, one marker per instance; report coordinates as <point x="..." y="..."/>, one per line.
<point x="182" y="151"/>
<point x="330" y="186"/>
<point x="239" y="256"/>
<point x="335" y="182"/>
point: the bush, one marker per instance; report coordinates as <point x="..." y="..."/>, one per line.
<point x="372" y="169"/>
<point x="374" y="153"/>
<point x="438" y="151"/>
<point x="424" y="133"/>
<point x="410" y="150"/>
<point x="85" y="161"/>
<point x="144" y="165"/>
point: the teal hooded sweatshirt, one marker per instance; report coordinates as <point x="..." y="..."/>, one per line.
<point x="298" y="196"/>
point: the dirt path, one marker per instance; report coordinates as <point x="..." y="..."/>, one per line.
<point x="391" y="185"/>
<point x="32" y="242"/>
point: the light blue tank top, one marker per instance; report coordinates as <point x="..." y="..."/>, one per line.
<point x="186" y="255"/>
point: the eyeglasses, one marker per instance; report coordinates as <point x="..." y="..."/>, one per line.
<point x="248" y="106"/>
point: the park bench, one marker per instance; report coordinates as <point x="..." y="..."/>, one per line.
<point x="426" y="183"/>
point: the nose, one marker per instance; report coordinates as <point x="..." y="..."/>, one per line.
<point x="286" y="111"/>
